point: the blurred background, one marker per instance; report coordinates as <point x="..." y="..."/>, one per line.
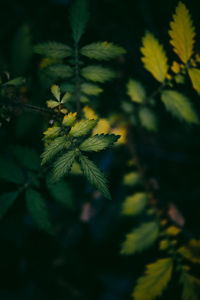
<point x="83" y="260"/>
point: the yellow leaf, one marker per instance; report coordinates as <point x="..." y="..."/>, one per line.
<point x="173" y="230"/>
<point x="134" y="204"/>
<point x="155" y="280"/>
<point x="103" y="126"/>
<point x="195" y="78"/>
<point x="182" y="33"/>
<point x="131" y="179"/>
<point x="175" y="67"/>
<point x="69" y="119"/>
<point x="154" y="57"/>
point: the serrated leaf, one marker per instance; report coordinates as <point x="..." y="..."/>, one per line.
<point x="27" y="157"/>
<point x="102" y="51"/>
<point x="91" y="89"/>
<point x="94" y="175"/>
<point x="135" y="204"/>
<point x="62" y="193"/>
<point x="148" y="118"/>
<point x="37" y="208"/>
<point x="21" y="51"/>
<point x="69" y="119"/>
<point x="179" y="106"/>
<point x="182" y="33"/>
<point x="79" y="16"/>
<point x="140" y="238"/>
<point x="52" y="132"/>
<point x="58" y="71"/>
<point x="136" y="91"/>
<point x="97" y="73"/>
<point x="82" y="128"/>
<point x="156" y="278"/>
<point x="53" y="49"/>
<point x="62" y="165"/>
<point x="191" y="251"/>
<point x="189" y="284"/>
<point x="56" y="91"/>
<point x="10" y="171"/>
<point x="154" y="57"/>
<point x="54" y="148"/>
<point x="132" y="179"/>
<point x="6" y="201"/>
<point x="98" y="142"/>
<point x="195" y="78"/>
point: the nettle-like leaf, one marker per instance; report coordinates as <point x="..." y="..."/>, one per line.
<point x="82" y="128"/>
<point x="154" y="57"/>
<point x="156" y="278"/>
<point x="194" y="74"/>
<point x="97" y="73"/>
<point x="179" y="106"/>
<point x="94" y="175"/>
<point x="140" y="238"/>
<point x="148" y="118"/>
<point x="136" y="91"/>
<point x="98" y="142"/>
<point x="102" y="51"/>
<point x="182" y="33"/>
<point x="62" y="193"/>
<point x="191" y="251"/>
<point x="62" y="165"/>
<point x="79" y="16"/>
<point x="10" y="171"/>
<point x="190" y="284"/>
<point x="134" y="204"/>
<point x="54" y="148"/>
<point x="6" y="201"/>
<point x="91" y="89"/>
<point x="37" y="208"/>
<point x="53" y="49"/>
<point x="58" y="71"/>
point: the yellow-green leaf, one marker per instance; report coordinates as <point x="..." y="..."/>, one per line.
<point x="131" y="179"/>
<point x="195" y="78"/>
<point x="156" y="278"/>
<point x="182" y="33"/>
<point x="141" y="238"/>
<point x="136" y="91"/>
<point x="134" y="204"/>
<point x="190" y="284"/>
<point x="179" y="106"/>
<point x="154" y="57"/>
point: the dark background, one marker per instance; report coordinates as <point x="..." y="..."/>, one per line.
<point x="83" y="261"/>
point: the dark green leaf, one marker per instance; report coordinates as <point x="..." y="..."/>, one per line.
<point x="6" y="201"/>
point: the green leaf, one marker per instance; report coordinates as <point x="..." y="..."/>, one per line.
<point x="58" y="71"/>
<point x="54" y="148"/>
<point x="136" y="91"/>
<point x="52" y="103"/>
<point x="62" y="165"/>
<point x="135" y="204"/>
<point x="79" y="16"/>
<point x="156" y="278"/>
<point x="132" y="179"/>
<point x="102" y="51"/>
<point x="27" y="157"/>
<point x="148" y="118"/>
<point x="94" y="175"/>
<point x="82" y="127"/>
<point x="194" y="74"/>
<point x="6" y="201"/>
<point x="140" y="238"/>
<point x="179" y="106"/>
<point x="98" y="142"/>
<point x="37" y="208"/>
<point x="91" y="89"/>
<point x="9" y="171"/>
<point x="56" y="91"/>
<point x="190" y="284"/>
<point x="97" y="73"/>
<point x="16" y="81"/>
<point x="53" y="49"/>
<point x="62" y="193"/>
<point x="21" y="50"/>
